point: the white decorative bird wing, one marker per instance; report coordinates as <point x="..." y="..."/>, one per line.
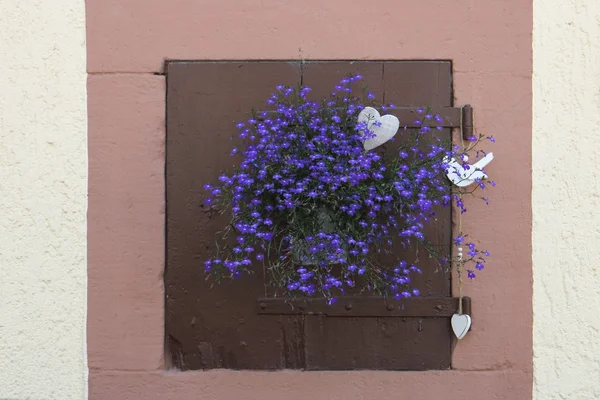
<point x="461" y="176"/>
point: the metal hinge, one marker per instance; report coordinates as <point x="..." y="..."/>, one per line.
<point x="452" y="117"/>
<point x="362" y="306"/>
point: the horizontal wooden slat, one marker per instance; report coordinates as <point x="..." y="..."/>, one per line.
<point x="356" y="306"/>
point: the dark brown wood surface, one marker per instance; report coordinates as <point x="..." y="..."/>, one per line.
<point x="219" y="327"/>
<point x="364" y="306"/>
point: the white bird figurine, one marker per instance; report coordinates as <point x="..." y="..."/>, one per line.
<point x="461" y="176"/>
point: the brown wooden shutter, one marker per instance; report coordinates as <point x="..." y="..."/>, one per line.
<point x="236" y="325"/>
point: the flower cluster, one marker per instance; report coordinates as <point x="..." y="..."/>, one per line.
<point x="318" y="210"/>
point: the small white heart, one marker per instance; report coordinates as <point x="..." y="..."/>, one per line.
<point x="460" y="324"/>
<point x="384" y="130"/>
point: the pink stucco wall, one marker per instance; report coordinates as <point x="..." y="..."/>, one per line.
<point x="489" y="43"/>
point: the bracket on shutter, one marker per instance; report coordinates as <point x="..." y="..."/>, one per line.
<point x="358" y="306"/>
<point x="452" y="117"/>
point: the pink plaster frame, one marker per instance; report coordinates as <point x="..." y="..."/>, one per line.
<point x="490" y="45"/>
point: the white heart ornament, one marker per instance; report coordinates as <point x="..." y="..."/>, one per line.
<point x="384" y="130"/>
<point x="460" y="324"/>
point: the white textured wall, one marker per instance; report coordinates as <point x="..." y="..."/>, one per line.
<point x="43" y="189"/>
<point x="566" y="199"/>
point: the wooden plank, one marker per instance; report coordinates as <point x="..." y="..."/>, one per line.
<point x="357" y="306"/>
<point x="410" y="83"/>
<point x="396" y="343"/>
<point x="322" y="76"/>
<point x="212" y="327"/>
<point x="425" y="82"/>
<point x="293" y="346"/>
<point x="377" y="343"/>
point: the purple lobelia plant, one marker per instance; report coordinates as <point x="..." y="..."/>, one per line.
<point x="318" y="210"/>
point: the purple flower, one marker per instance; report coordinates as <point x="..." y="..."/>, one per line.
<point x="459" y="240"/>
<point x="308" y="193"/>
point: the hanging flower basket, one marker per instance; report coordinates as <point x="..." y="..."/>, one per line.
<point x="302" y="251"/>
<point x="316" y="199"/>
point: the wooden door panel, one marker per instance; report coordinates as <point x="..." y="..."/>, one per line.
<point x="212" y="327"/>
<point x="219" y="327"/>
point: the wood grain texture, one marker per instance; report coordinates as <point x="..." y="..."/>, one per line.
<point x="204" y="102"/>
<point x="220" y="327"/>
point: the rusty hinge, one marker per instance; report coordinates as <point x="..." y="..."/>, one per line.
<point x="359" y="306"/>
